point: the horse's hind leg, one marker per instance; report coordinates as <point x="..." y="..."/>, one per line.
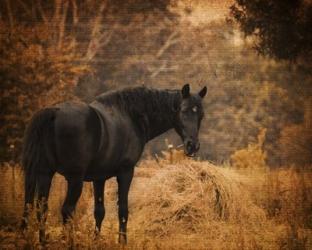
<point x="44" y="184"/>
<point x="99" y="209"/>
<point x="74" y="188"/>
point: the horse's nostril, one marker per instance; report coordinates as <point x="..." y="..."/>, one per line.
<point x="189" y="145"/>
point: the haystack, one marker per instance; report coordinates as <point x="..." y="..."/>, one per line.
<point x="186" y="196"/>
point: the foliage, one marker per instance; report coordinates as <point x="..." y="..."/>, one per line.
<point x="141" y="6"/>
<point x="295" y="142"/>
<point x="34" y="73"/>
<point x="136" y="52"/>
<point x="282" y="28"/>
<point x="48" y="49"/>
<point x="251" y="157"/>
<point x="156" y="48"/>
<point x="245" y="92"/>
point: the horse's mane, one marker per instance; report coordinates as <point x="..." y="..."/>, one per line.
<point x="138" y="101"/>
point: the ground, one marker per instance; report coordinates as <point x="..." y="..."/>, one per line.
<point x="177" y="203"/>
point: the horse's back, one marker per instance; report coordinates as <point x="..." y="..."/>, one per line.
<point x="76" y="137"/>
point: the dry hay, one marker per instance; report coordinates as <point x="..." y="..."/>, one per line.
<point x="186" y="197"/>
<point x="175" y="203"/>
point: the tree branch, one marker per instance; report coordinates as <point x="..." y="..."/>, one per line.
<point x="42" y="13"/>
<point x="10" y="14"/>
<point x="96" y="35"/>
<point x="163" y="68"/>
<point x="75" y="12"/>
<point x="62" y="24"/>
<point x="172" y="39"/>
<point x="25" y="7"/>
<point x="56" y="17"/>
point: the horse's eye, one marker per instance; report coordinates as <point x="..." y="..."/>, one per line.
<point x="194" y="109"/>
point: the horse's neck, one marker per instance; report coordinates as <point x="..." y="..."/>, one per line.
<point x="152" y="111"/>
<point x="156" y="127"/>
<point x="163" y="117"/>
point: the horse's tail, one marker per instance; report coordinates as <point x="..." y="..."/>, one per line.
<point x="37" y="151"/>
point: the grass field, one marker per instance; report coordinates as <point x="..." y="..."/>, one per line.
<point x="176" y="203"/>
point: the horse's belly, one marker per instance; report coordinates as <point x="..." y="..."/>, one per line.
<point x="98" y="176"/>
<point x="109" y="164"/>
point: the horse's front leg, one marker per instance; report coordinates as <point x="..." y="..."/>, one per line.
<point x="124" y="180"/>
<point x="99" y="209"/>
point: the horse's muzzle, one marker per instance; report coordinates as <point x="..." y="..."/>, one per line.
<point x="191" y="147"/>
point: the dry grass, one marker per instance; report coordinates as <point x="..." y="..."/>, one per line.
<point x="177" y="203"/>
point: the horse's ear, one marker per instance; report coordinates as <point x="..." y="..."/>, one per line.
<point x="186" y="91"/>
<point x="203" y="92"/>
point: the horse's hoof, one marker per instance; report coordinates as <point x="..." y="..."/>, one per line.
<point x="122" y="239"/>
<point x="96" y="234"/>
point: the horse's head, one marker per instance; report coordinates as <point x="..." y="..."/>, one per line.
<point x="189" y="116"/>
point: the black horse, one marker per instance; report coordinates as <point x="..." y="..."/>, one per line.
<point x="103" y="139"/>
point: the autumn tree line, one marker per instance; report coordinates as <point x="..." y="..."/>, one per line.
<point x="257" y="68"/>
